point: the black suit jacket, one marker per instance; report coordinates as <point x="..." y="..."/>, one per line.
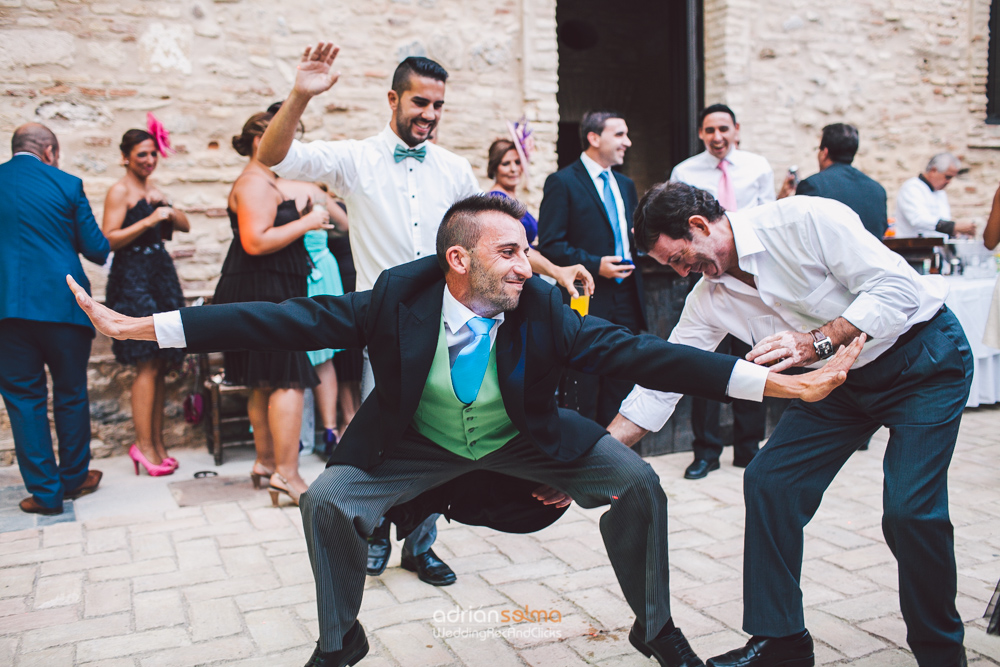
<point x="849" y="186"/>
<point x="399" y="321"/>
<point x="573" y="228"/>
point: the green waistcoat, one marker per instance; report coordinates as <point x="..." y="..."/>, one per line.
<point x="473" y="430"/>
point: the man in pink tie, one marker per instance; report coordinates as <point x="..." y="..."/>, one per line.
<point x="739" y="180"/>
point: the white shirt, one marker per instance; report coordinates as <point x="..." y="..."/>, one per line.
<point x="456" y="317"/>
<point x="395" y="208"/>
<point x="811" y="263"/>
<point x="750" y="174"/>
<point x="919" y="208"/>
<point x="595" y="171"/>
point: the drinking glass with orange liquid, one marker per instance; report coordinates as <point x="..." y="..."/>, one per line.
<point x="580" y="304"/>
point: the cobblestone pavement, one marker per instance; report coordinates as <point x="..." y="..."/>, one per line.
<point x="229" y="583"/>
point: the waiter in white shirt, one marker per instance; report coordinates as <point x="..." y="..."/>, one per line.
<point x="807" y="262"/>
<point x="922" y="207"/>
<point x="738" y="180"/>
<point x="397" y="186"/>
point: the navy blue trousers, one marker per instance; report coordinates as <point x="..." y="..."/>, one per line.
<point x="26" y="348"/>
<point x="918" y="390"/>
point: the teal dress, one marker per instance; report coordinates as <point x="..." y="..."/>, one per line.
<point x="324" y="279"/>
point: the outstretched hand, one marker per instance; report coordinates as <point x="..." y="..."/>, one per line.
<point x="315" y="74"/>
<point x="107" y="321"/>
<point x="549" y="496"/>
<point x="820" y="382"/>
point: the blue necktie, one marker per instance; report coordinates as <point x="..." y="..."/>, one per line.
<point x="470" y="364"/>
<point x="612" y="208"/>
<point x="400" y="153"/>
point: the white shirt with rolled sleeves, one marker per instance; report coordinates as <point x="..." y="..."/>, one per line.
<point x="751" y="175"/>
<point x="395" y="208"/>
<point x="811" y="263"/>
<point x="919" y="208"/>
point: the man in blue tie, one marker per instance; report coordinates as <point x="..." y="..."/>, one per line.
<point x="586" y="218"/>
<point x="467" y="350"/>
<point x="45" y="222"/>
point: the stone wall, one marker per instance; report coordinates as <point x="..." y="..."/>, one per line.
<point x="910" y="75"/>
<point x="91" y="70"/>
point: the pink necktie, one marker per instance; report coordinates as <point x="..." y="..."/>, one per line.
<point x="725" y="193"/>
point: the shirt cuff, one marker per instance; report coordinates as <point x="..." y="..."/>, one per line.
<point x="872" y="316"/>
<point x="169" y="329"/>
<point x="649" y="409"/>
<point x="747" y="381"/>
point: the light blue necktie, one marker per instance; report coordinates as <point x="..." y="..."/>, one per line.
<point x="470" y="364"/>
<point x="612" y="208"/>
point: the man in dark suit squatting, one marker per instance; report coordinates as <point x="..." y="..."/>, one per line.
<point x="467" y="350"/>
<point x="45" y="222"/>
<point x="586" y="218"/>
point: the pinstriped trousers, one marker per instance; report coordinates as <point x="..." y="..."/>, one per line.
<point x="342" y="507"/>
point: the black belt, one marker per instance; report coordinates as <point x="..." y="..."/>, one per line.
<point x="912" y="332"/>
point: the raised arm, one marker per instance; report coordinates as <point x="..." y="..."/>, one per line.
<point x="315" y="75"/>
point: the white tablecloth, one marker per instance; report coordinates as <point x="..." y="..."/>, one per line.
<point x="970" y="301"/>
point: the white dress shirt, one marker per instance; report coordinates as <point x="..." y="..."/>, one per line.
<point x="394" y="208"/>
<point x="595" y="170"/>
<point x="919" y="208"/>
<point x="750" y="174"/>
<point x="457" y="333"/>
<point x="812" y="263"/>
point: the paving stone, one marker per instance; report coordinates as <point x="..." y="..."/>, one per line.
<point x="863" y="607"/>
<point x="543" y="568"/>
<point x="18" y="535"/>
<point x="257" y="537"/>
<point x="158" y="609"/>
<point x="519" y="548"/>
<point x="202" y="653"/>
<point x="468" y="592"/>
<point x="552" y="655"/>
<point x="11" y="606"/>
<point x="61" y="655"/>
<point x="214" y="618"/>
<point x="212" y="530"/>
<point x="107" y="539"/>
<point x="58" y="591"/>
<point x="197" y="554"/>
<point x="224" y="513"/>
<point x="266" y="519"/>
<point x="700" y="566"/>
<point x="413" y="645"/>
<point x="130" y="644"/>
<point x="128" y="570"/>
<point x="31" y="620"/>
<point x="230" y="588"/>
<point x="20" y="546"/>
<point x="63" y="630"/>
<point x="17" y="581"/>
<point x="69" y="532"/>
<point x="605" y="607"/>
<point x="280" y="597"/>
<point x="81" y="563"/>
<point x="178" y="579"/>
<point x="406" y="587"/>
<point x="108" y="597"/>
<point x="857" y="559"/>
<point x="41" y="555"/>
<point x="245" y="561"/>
<point x="152" y="527"/>
<point x="274" y="629"/>
<point x="474" y="651"/>
<point x="293" y="568"/>
<point x="154" y="545"/>
<point x="841" y="636"/>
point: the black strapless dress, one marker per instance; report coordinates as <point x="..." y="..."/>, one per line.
<point x="275" y="277"/>
<point x="143" y="281"/>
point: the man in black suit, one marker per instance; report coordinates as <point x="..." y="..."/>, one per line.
<point x="467" y="349"/>
<point x="837" y="179"/>
<point x="586" y="218"/>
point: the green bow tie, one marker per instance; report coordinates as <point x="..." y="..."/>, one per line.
<point x="417" y="154"/>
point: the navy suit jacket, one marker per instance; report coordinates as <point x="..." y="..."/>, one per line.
<point x="573" y="228"/>
<point x="45" y="224"/>
<point x="849" y="186"/>
<point x="399" y="320"/>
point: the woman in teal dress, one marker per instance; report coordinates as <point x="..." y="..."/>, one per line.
<point x="323" y="279"/>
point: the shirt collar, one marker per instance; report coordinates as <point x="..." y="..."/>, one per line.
<point x="924" y="180"/>
<point x="457" y="315"/>
<point x="27" y="153"/>
<point x="592" y="167"/>
<point x="714" y="161"/>
<point x="746" y="240"/>
<point x="392" y="139"/>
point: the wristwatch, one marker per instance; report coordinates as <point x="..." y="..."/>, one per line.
<point x="822" y="344"/>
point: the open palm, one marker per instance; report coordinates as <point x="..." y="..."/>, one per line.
<point x="315" y="70"/>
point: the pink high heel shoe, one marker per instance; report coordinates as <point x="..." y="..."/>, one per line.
<point x="153" y="470"/>
<point x="172" y="462"/>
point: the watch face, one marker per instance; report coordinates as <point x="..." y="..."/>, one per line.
<point x="824" y="348"/>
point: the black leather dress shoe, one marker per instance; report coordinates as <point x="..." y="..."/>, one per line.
<point x="379" y="548"/>
<point x="700" y="468"/>
<point x="672" y="650"/>
<point x="429" y="568"/>
<point x="354" y="648"/>
<point x="770" y="652"/>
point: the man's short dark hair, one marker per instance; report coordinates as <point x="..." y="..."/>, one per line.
<point x="715" y="108"/>
<point x="33" y="138"/>
<point x="416" y="66"/>
<point x="841" y="142"/>
<point x="594" y="121"/>
<point x="666" y="209"/>
<point x="461" y="224"/>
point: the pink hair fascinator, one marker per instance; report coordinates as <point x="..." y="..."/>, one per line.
<point x="523" y="140"/>
<point x="160" y="135"/>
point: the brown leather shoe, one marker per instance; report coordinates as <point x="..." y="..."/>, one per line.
<point x="89" y="485"/>
<point x="32" y="506"/>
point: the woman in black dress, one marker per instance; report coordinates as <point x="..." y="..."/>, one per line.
<point x="267" y="261"/>
<point x="143" y="281"/>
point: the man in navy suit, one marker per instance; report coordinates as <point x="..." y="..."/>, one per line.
<point x="837" y="179"/>
<point x="45" y="222"/>
<point x="586" y="218"/>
